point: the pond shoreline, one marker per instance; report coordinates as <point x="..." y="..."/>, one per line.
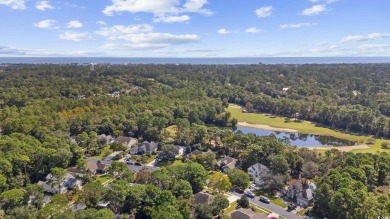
<point x="266" y="127"/>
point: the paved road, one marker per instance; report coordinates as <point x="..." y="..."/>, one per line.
<point x="272" y="207"/>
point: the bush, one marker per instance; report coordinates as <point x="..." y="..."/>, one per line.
<point x="385" y="145"/>
<point x="371" y="141"/>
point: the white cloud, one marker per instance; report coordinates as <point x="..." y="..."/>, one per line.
<point x="75" y="36"/>
<point x="128" y="46"/>
<point x="371" y="36"/>
<point x="43" y="5"/>
<point x="223" y="31"/>
<point x="8" y="51"/>
<point x="74" y="24"/>
<point x="119" y="31"/>
<point x="171" y="19"/>
<point x="142" y="37"/>
<point x="314" y="10"/>
<point x="14" y="4"/>
<point x="264" y="11"/>
<point x="45" y="24"/>
<point x="374" y="46"/>
<point x="252" y="30"/>
<point x="103" y="23"/>
<point x="299" y="25"/>
<point x="160" y="7"/>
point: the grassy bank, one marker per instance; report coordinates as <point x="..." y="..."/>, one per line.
<point x="302" y="127"/>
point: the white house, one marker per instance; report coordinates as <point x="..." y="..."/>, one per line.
<point x="69" y="183"/>
<point x="255" y="172"/>
<point x="301" y="191"/>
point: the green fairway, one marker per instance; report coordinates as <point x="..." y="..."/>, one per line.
<point x="303" y="127"/>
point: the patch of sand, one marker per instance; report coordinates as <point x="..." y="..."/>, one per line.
<point x="343" y="148"/>
<point x="266" y="127"/>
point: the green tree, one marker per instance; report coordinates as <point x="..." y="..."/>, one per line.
<point x="239" y="179"/>
<point x="192" y="172"/>
<point x="219" y="182"/>
<point x="243" y="202"/>
<point x="220" y="202"/>
<point x="11" y="199"/>
<point x="104" y="214"/>
<point x="58" y="176"/>
<point x="279" y="165"/>
<point x="168" y="153"/>
<point x="203" y="211"/>
<point x="119" y="170"/>
<point x="92" y="194"/>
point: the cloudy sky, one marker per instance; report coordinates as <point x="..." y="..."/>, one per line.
<point x="195" y="28"/>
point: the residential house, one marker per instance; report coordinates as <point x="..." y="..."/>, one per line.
<point x="285" y="89"/>
<point x="247" y="213"/>
<point x="226" y="164"/>
<point x="198" y="152"/>
<point x="93" y="167"/>
<point x="144" y="148"/>
<point x="180" y="150"/>
<point x="108" y="139"/>
<point x="255" y="173"/>
<point x="301" y="191"/>
<point x="203" y="198"/>
<point x="69" y="183"/>
<point x="127" y="142"/>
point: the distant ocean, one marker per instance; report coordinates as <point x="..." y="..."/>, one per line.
<point x="206" y="61"/>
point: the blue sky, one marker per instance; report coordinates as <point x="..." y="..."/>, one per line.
<point x="195" y="28"/>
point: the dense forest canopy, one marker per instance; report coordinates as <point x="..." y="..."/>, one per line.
<point x="42" y="106"/>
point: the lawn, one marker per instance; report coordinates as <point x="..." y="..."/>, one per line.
<point x="274" y="200"/>
<point x="302" y="127"/>
<point x="105" y="152"/>
<point x="302" y="212"/>
<point x="103" y="179"/>
<point x="172" y="133"/>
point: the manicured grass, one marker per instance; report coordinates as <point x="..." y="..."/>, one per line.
<point x="231" y="208"/>
<point x="172" y="133"/>
<point x="150" y="159"/>
<point x="105" y="152"/>
<point x="274" y="200"/>
<point x="302" y="212"/>
<point x="103" y="179"/>
<point x="303" y="127"/>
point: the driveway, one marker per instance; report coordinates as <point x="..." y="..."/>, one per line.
<point x="271" y="207"/>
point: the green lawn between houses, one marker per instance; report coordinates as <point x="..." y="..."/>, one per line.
<point x="304" y="127"/>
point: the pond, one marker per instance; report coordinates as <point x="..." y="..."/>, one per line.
<point x="299" y="139"/>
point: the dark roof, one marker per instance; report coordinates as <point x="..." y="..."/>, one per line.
<point x="228" y="162"/>
<point x="147" y="146"/>
<point x="247" y="213"/>
<point x="202" y="198"/>
<point x="92" y="166"/>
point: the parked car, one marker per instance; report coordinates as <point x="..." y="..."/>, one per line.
<point x="131" y="162"/>
<point x="249" y="193"/>
<point x="138" y="164"/>
<point x="265" y="199"/>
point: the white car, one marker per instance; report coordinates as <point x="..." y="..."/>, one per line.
<point x="249" y="193"/>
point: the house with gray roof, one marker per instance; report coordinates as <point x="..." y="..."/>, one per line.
<point x="203" y="198"/>
<point x="301" y="191"/>
<point x="247" y="213"/>
<point x="144" y="148"/>
<point x="69" y="183"/>
<point x="226" y="164"/>
<point x="127" y="142"/>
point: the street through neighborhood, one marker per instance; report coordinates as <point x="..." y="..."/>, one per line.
<point x="271" y="207"/>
